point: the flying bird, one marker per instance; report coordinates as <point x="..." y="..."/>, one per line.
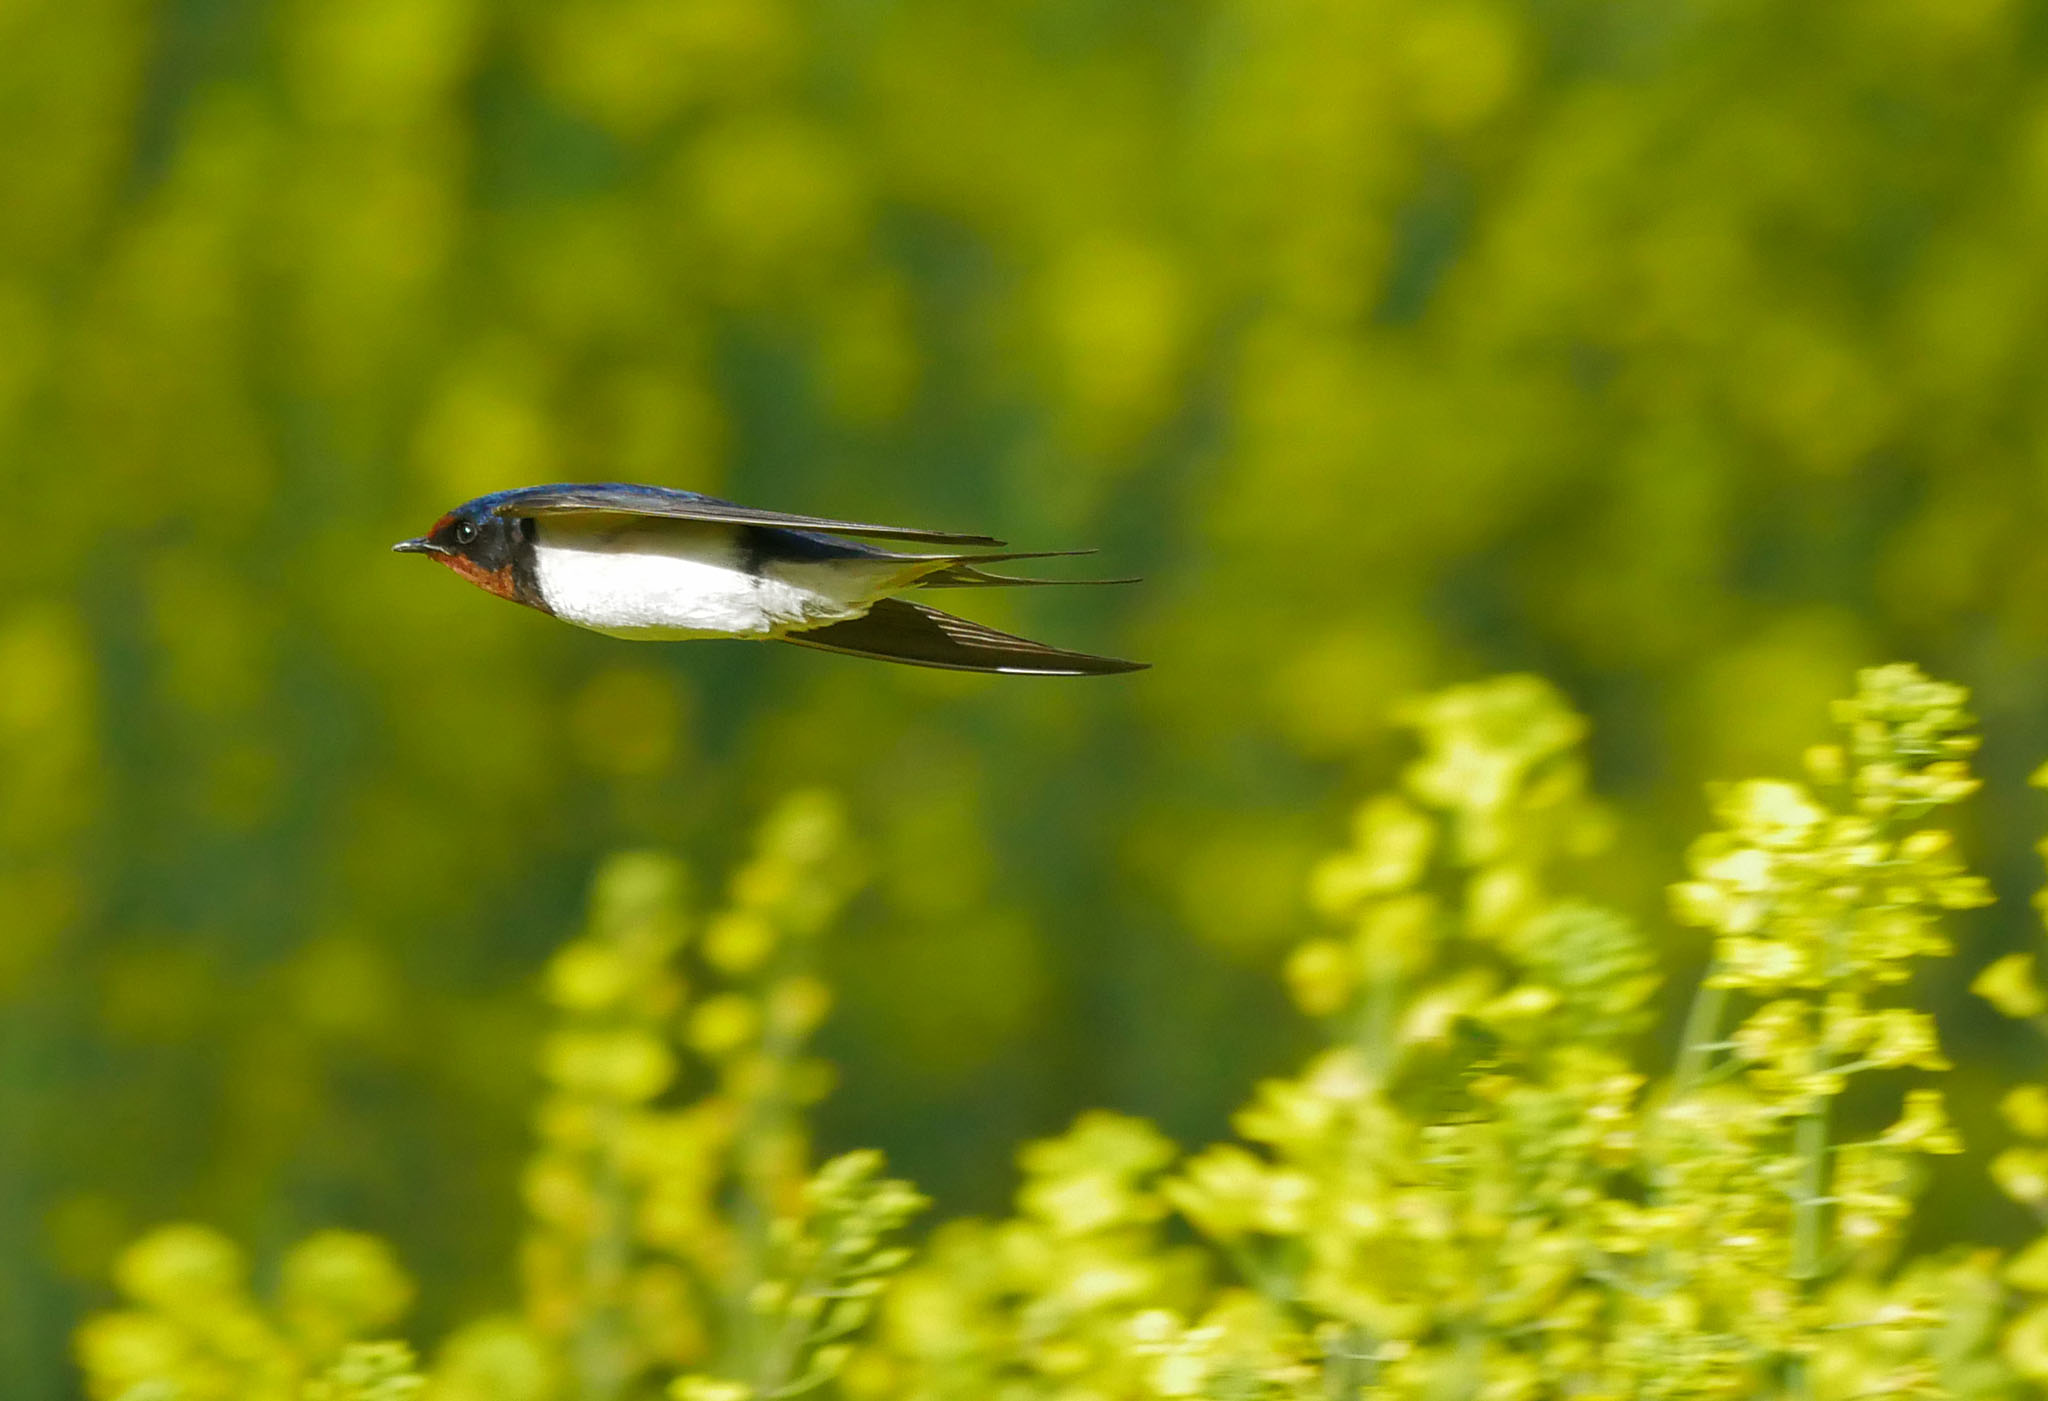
<point x="654" y="563"/>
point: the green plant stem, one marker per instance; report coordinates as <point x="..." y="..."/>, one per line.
<point x="1810" y="1145"/>
<point x="777" y="1373"/>
<point x="1375" y="1026"/>
<point x="1810" y="1150"/>
<point x="1702" y="1020"/>
<point x="769" y="1356"/>
<point x="600" y="1347"/>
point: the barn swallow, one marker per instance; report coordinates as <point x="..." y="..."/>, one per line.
<point x="654" y="563"/>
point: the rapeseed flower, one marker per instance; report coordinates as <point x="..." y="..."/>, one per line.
<point x="1483" y="1186"/>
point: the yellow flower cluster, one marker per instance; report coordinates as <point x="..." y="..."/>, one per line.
<point x="1474" y="1193"/>
<point x="678" y="1232"/>
<point x="190" y="1329"/>
<point x="2011" y="985"/>
<point x="1420" y="1210"/>
<point x="1043" y="1303"/>
<point x="1478" y="1190"/>
<point x="1821" y="897"/>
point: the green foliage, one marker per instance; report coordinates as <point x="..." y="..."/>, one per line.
<point x="1488" y="1185"/>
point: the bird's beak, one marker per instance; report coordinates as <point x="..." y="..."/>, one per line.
<point x="417" y="547"/>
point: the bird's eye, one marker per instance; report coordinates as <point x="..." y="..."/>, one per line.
<point x="465" y="533"/>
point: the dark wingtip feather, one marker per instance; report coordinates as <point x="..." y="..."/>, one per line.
<point x="896" y="630"/>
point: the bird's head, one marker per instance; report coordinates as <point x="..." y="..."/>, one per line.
<point x="482" y="547"/>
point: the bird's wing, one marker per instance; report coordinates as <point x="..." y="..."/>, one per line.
<point x="896" y="630"/>
<point x="623" y="498"/>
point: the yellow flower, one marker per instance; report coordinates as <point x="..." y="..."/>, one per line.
<point x="2008" y="984"/>
<point x="494" y="1359"/>
<point x="1520" y="1010"/>
<point x="2025" y="1110"/>
<point x="1321" y="975"/>
<point x="723" y="1024"/>
<point x="2029" y="1268"/>
<point x="1776" y="1032"/>
<point x="1906" y="1038"/>
<point x="1092" y="1178"/>
<point x="587" y="976"/>
<point x="1699" y="904"/>
<point x="1397" y="938"/>
<point x="120" y="1350"/>
<point x="1391" y="844"/>
<point x="638" y="894"/>
<point x="700" y="1388"/>
<point x="1774" y="814"/>
<point x="1827" y="765"/>
<point x="797" y="1005"/>
<point x="181" y="1268"/>
<point x="1499" y="896"/>
<point x="2026" y="1343"/>
<point x="1228" y="1192"/>
<point x="629" y="1065"/>
<point x="2022" y="1173"/>
<point x="738" y="941"/>
<point x="1923" y="1126"/>
<point x="338" y="1285"/>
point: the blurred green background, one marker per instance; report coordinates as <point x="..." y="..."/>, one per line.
<point x="1688" y="353"/>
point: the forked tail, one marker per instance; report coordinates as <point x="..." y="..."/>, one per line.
<point x="896" y="630"/>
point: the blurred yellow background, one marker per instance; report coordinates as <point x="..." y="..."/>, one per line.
<point x="1689" y="355"/>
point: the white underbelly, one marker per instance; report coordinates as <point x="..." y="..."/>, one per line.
<point x="682" y="579"/>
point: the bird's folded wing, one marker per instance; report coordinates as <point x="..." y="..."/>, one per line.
<point x="895" y="630"/>
<point x="621" y="497"/>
